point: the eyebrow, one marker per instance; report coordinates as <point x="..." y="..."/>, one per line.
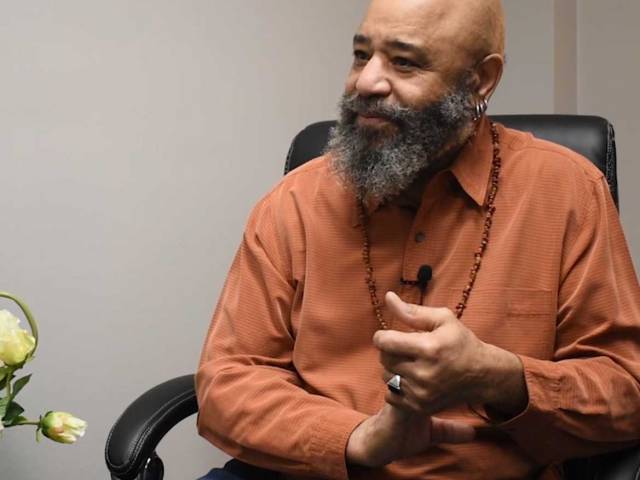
<point x="359" y="38"/>
<point x="395" y="45"/>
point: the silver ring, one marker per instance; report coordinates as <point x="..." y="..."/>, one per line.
<point x="394" y="385"/>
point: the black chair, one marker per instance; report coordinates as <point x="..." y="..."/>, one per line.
<point x="130" y="449"/>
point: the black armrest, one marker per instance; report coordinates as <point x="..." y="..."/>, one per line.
<point x="135" y="435"/>
<point x="622" y="465"/>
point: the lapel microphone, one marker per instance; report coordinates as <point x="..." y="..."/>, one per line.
<point x="425" y="273"/>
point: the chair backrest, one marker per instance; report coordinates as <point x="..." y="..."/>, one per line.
<point x="592" y="137"/>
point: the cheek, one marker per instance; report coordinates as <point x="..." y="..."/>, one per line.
<point x="419" y="92"/>
<point x="418" y="98"/>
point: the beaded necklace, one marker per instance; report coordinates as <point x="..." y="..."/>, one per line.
<point x="479" y="253"/>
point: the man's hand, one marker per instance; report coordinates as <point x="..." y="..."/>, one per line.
<point x="443" y="364"/>
<point x="393" y="434"/>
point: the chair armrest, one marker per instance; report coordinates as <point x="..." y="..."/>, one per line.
<point x="621" y="465"/>
<point x="137" y="432"/>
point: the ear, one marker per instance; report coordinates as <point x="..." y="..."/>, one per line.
<point x="488" y="75"/>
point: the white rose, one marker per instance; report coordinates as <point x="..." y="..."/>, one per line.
<point x="15" y="343"/>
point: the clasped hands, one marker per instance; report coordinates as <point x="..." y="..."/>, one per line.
<point x="442" y="364"/>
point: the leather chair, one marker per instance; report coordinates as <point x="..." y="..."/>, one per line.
<point x="130" y="448"/>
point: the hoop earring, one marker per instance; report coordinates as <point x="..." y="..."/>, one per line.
<point x="480" y="108"/>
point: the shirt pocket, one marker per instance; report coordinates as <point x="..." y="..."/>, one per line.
<point x="520" y="320"/>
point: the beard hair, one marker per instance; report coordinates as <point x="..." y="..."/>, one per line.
<point x="380" y="164"/>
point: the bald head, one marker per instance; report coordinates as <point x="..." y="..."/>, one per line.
<point x="444" y="41"/>
<point x="473" y="27"/>
<point x="485" y="19"/>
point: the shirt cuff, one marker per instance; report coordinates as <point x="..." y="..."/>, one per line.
<point x="328" y="443"/>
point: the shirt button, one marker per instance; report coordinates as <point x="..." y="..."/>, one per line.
<point x="420" y="237"/>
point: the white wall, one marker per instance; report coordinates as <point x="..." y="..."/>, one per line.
<point x="135" y="138"/>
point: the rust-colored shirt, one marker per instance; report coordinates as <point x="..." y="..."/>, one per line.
<point x="288" y="369"/>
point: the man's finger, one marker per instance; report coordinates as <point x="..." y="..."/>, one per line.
<point x="397" y="363"/>
<point x="421" y="318"/>
<point x="451" y="431"/>
<point x="402" y="344"/>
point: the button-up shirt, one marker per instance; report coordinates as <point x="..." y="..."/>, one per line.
<point x="288" y="369"/>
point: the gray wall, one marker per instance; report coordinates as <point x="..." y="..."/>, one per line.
<point x="136" y="136"/>
<point x="608" y="80"/>
<point x="528" y="81"/>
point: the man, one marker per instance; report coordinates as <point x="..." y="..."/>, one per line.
<point x="509" y="334"/>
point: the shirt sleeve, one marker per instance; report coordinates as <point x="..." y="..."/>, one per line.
<point x="251" y="400"/>
<point x="587" y="400"/>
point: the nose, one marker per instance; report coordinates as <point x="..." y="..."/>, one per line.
<point x="372" y="79"/>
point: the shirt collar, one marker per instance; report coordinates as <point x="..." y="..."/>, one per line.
<point x="471" y="168"/>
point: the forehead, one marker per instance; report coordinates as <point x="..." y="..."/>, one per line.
<point x="434" y="25"/>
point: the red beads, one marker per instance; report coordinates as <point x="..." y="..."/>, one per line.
<point x="479" y="253"/>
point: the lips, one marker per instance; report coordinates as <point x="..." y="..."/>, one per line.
<point x="373" y="116"/>
<point x="368" y="119"/>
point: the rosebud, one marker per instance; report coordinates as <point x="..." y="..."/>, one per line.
<point x="15" y="343"/>
<point x="62" y="427"/>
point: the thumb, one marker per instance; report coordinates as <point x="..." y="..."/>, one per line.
<point x="450" y="431"/>
<point x="425" y="319"/>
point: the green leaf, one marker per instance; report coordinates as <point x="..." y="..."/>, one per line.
<point x="17" y="420"/>
<point x="4" y="403"/>
<point x="19" y="384"/>
<point x="13" y="410"/>
<point x="3" y="376"/>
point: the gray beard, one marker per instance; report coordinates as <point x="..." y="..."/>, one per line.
<point x="380" y="164"/>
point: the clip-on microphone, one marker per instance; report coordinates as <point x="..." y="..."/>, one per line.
<point x="425" y="273"/>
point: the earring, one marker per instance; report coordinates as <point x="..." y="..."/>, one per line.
<point x="480" y="108"/>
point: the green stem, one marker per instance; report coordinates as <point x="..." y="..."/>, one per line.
<point x="25" y="422"/>
<point x="9" y="375"/>
<point x="27" y="313"/>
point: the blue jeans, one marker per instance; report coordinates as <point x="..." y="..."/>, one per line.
<point x="236" y="470"/>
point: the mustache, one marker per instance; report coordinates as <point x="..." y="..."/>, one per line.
<point x="354" y="105"/>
